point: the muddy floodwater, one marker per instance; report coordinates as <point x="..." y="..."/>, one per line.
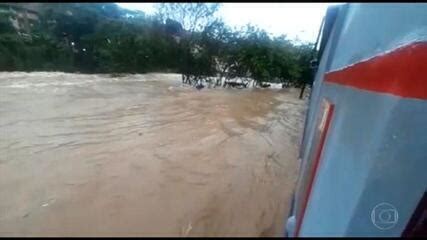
<point x="141" y="155"/>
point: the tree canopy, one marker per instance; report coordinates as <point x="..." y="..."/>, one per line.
<point x="184" y="38"/>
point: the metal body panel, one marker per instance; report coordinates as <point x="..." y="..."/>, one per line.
<point x="376" y="148"/>
<point x="368" y="161"/>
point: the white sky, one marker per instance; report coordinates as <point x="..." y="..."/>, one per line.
<point x="296" y="20"/>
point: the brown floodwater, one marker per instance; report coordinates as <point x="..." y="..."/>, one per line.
<point x="141" y="155"/>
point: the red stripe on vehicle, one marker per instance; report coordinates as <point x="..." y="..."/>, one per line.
<point x="315" y="168"/>
<point x="402" y="72"/>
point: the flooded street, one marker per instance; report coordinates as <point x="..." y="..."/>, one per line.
<point x="141" y="155"/>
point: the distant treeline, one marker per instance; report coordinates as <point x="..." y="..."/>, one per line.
<point x="185" y="38"/>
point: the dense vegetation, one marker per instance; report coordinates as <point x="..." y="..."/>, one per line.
<point x="183" y="38"/>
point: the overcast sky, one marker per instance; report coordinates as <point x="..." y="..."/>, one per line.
<point x="300" y="20"/>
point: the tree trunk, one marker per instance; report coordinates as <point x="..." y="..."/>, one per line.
<point x="302" y="91"/>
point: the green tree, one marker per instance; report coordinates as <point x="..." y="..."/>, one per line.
<point x="183" y="37"/>
<point x="192" y="16"/>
